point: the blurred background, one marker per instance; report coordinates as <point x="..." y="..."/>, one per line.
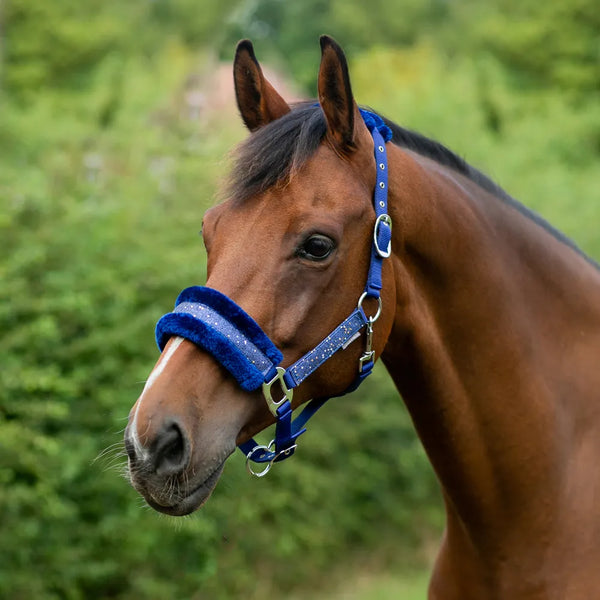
<point x="116" y="119"/>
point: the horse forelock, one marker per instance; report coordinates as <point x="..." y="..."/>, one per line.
<point x="270" y="155"/>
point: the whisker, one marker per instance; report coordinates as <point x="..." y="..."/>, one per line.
<point x="118" y="464"/>
<point x="116" y="446"/>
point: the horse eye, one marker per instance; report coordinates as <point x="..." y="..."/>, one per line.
<point x="316" y="247"/>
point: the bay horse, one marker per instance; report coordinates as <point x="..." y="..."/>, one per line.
<point x="486" y="318"/>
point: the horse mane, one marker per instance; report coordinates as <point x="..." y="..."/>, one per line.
<point x="272" y="154"/>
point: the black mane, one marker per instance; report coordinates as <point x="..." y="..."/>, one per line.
<point x="273" y="153"/>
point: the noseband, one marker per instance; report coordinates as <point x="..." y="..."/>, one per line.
<point x="219" y="326"/>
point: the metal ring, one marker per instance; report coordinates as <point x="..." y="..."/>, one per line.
<point x="285" y="452"/>
<point x="378" y="313"/>
<point x="249" y="464"/>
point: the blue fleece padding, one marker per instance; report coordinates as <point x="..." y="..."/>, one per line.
<point x="374" y="121"/>
<point x="229" y="342"/>
<point x="234" y="314"/>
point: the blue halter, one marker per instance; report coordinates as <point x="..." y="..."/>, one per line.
<point x="223" y="329"/>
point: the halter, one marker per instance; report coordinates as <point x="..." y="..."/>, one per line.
<point x="218" y="325"/>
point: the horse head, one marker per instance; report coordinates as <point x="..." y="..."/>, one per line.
<point x="290" y="248"/>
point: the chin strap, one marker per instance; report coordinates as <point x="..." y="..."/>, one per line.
<point x="218" y="325"/>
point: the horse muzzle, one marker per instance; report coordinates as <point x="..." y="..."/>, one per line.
<point x="167" y="473"/>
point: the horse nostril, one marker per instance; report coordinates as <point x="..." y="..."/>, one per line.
<point x="171" y="451"/>
<point x="130" y="448"/>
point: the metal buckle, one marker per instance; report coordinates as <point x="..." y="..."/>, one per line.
<point x="287" y="393"/>
<point x="383" y="253"/>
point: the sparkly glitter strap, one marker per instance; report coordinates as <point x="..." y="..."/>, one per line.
<point x="339" y="338"/>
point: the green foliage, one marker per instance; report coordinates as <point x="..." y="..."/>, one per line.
<point x="288" y="31"/>
<point x="61" y="44"/>
<point x="552" y="44"/>
<point x="80" y="291"/>
<point x="380" y="586"/>
<point x="106" y="173"/>
<point x="51" y="43"/>
<point x="388" y="25"/>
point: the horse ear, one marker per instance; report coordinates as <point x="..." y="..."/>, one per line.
<point x="257" y="99"/>
<point x="344" y="122"/>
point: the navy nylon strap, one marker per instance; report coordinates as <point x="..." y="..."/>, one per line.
<point x="382" y="234"/>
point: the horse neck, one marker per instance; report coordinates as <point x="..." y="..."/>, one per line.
<point x="493" y="345"/>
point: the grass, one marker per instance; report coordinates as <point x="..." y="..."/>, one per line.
<point x="409" y="585"/>
<point x="403" y="586"/>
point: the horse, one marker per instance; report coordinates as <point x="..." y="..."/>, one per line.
<point x="486" y="318"/>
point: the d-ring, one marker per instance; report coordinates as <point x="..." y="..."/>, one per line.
<point x="378" y="313"/>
